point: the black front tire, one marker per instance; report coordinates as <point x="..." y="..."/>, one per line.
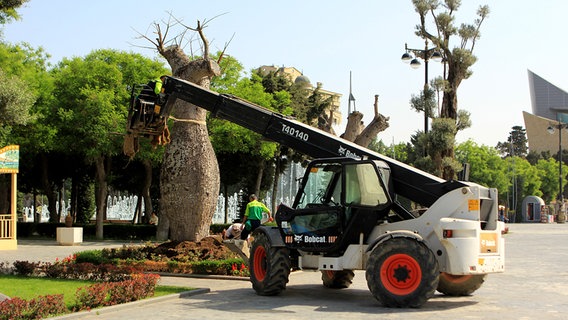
<point x="337" y="279"/>
<point x="402" y="273"/>
<point x="457" y="286"/>
<point x="269" y="266"/>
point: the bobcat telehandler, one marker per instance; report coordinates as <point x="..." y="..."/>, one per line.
<point x="353" y="211"/>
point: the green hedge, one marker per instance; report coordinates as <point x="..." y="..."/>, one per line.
<point x="114" y="231"/>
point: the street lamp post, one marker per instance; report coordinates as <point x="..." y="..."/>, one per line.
<point x="425" y="54"/>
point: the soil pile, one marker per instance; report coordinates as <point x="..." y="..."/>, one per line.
<point x="208" y="248"/>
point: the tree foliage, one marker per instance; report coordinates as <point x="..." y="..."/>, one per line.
<point x="548" y="173"/>
<point x="424" y="102"/>
<point x="8" y="10"/>
<point x="531" y="182"/>
<point x="516" y="144"/>
<point x="457" y="55"/>
<point x="399" y="151"/>
<point x="15" y="104"/>
<point x="91" y="98"/>
<point x="458" y="58"/>
<point x="240" y="150"/>
<point x="25" y="84"/>
<point x="486" y="166"/>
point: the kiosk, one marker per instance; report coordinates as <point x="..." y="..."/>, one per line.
<point x="9" y="161"/>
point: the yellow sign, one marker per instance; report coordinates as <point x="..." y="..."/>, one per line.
<point x="9" y="159"/>
<point x="473" y="205"/>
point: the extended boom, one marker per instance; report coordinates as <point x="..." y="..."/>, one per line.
<point x="409" y="182"/>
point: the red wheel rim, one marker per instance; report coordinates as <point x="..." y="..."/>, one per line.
<point x="260" y="263"/>
<point x="455" y="278"/>
<point x="401" y="274"/>
<point x="329" y="273"/>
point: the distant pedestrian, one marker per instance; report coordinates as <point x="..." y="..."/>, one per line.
<point x="253" y="216"/>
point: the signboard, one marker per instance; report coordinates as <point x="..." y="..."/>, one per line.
<point x="9" y="159"/>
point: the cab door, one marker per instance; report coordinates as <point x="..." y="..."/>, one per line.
<point x="333" y="193"/>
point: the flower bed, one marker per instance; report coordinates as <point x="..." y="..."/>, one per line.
<point x="121" y="274"/>
<point x="136" y="287"/>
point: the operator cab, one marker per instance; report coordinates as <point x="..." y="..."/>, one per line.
<point x="339" y="199"/>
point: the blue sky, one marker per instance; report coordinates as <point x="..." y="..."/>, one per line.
<point x="327" y="40"/>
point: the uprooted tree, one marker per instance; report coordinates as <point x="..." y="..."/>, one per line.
<point x="189" y="180"/>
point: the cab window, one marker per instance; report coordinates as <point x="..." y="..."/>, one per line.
<point x="322" y="187"/>
<point x="362" y="186"/>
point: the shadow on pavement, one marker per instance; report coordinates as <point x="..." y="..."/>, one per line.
<point x="315" y="298"/>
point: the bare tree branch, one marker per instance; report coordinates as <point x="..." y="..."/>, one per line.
<point x="158" y="43"/>
<point x="376" y="105"/>
<point x="225" y="48"/>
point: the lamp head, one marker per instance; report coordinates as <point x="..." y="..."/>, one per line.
<point x="436" y="56"/>
<point x="415" y="63"/>
<point x="406" y="57"/>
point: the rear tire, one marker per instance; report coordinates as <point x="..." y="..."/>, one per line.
<point x="402" y="272"/>
<point x="337" y="279"/>
<point x="269" y="267"/>
<point x="453" y="285"/>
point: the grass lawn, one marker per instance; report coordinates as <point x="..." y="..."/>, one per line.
<point x="31" y="287"/>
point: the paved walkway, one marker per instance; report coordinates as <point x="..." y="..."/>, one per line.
<point x="49" y="250"/>
<point x="534" y="286"/>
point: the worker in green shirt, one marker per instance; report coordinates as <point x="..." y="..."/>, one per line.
<point x="253" y="216"/>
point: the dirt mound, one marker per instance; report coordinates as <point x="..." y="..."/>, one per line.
<point x="209" y="248"/>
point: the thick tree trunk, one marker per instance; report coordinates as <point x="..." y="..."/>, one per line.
<point x="378" y="124"/>
<point x="100" y="194"/>
<point x="450" y="110"/>
<point x="189" y="179"/>
<point x="354" y="126"/>
<point x="357" y="132"/>
<point x="190" y="176"/>
<point x="163" y="232"/>
<point x="450" y="105"/>
<point x="189" y="182"/>
<point x="448" y="172"/>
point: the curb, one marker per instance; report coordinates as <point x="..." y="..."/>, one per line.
<point x="201" y="276"/>
<point x="110" y="309"/>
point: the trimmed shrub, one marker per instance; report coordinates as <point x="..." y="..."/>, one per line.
<point x="38" y="308"/>
<point x="25" y="268"/>
<point x="91" y="256"/>
<point x="219" y="267"/>
<point x="6" y="268"/>
<point x="111" y="293"/>
<point x="125" y="253"/>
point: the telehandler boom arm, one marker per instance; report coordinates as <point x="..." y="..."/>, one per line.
<point x="409" y="182"/>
